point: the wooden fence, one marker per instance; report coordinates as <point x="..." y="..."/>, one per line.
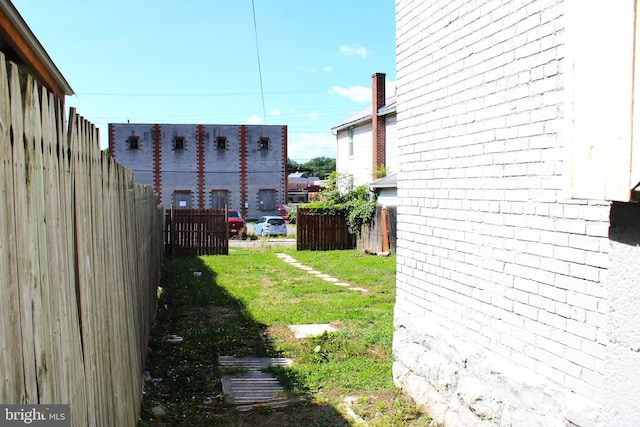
<point x="196" y="232"/>
<point x="81" y="249"/>
<point x="322" y="232"/>
<point x="380" y="235"/>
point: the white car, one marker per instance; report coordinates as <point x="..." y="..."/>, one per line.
<point x="271" y="226"/>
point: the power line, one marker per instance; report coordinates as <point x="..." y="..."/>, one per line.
<point x="255" y="29"/>
<point x="198" y="94"/>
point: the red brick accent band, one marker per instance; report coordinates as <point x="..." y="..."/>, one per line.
<point x="285" y="164"/>
<point x="244" y="187"/>
<point x="156" y="137"/>
<point x="378" y="123"/>
<point x="200" y="147"/>
<point x="112" y="141"/>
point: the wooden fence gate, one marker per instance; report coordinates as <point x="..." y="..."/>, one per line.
<point x="322" y="232"/>
<point x="196" y="232"/>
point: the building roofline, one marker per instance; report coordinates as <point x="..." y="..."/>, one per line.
<point x="389" y="181"/>
<point x="365" y="116"/>
<point x="24" y="44"/>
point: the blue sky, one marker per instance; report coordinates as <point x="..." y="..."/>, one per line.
<point x="196" y="61"/>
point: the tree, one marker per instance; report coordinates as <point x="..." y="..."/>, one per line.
<point x="292" y="166"/>
<point x="320" y="167"/>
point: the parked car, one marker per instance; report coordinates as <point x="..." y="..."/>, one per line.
<point x="237" y="225"/>
<point x="271" y="226"/>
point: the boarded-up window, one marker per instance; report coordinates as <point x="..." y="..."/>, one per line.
<point x="182" y="199"/>
<point x="178" y="142"/>
<point x="221" y="143"/>
<point x="134" y="142"/>
<point x="603" y="163"/>
<point x="219" y="199"/>
<point x="267" y="200"/>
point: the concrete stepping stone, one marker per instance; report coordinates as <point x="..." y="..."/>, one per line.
<point x="289" y="259"/>
<point x="311" y="330"/>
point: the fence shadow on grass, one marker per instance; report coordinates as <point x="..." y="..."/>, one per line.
<point x="185" y="377"/>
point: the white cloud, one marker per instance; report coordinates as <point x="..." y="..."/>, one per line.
<point x="354" y="93"/>
<point x="303" y="147"/>
<point x="255" y="120"/>
<point x="312" y="115"/>
<point x="355" y="50"/>
<point x="314" y="72"/>
<point x="275" y="112"/>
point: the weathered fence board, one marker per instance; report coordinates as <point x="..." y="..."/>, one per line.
<point x="380" y="235"/>
<point x="322" y="232"/>
<point x="12" y="389"/>
<point x="81" y="253"/>
<point x="196" y="232"/>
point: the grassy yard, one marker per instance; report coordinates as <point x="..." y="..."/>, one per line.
<point x="242" y="305"/>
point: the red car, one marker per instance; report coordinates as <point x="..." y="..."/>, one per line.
<point x="237" y="226"/>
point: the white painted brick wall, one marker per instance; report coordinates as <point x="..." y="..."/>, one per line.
<point x="500" y="280"/>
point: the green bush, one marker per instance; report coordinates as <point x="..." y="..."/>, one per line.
<point x="354" y="203"/>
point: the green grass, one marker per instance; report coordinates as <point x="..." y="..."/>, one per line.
<point x="242" y="306"/>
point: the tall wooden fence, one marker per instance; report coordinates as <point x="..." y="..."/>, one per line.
<point x="322" y="232"/>
<point x="196" y="232"/>
<point x="380" y="235"/>
<point x="81" y="248"/>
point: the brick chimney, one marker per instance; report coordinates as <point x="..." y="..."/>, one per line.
<point x="378" y="124"/>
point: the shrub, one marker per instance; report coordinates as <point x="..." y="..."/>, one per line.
<point x="354" y="204"/>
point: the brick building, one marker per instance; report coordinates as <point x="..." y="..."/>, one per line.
<point x="517" y="279"/>
<point x="207" y="166"/>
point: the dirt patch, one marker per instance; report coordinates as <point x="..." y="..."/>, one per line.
<point x="217" y="315"/>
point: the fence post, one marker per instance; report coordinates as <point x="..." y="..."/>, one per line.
<point x="385" y="231"/>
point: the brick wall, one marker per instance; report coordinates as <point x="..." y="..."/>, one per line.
<point x="502" y="283"/>
<point x="200" y="166"/>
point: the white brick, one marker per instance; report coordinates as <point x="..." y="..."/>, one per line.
<point x="525" y="310"/>
<point x="581" y="329"/>
<point x="553" y="293"/>
<point x="505" y="263"/>
<point x="586" y="272"/>
<point x="569" y="254"/>
<point x="588" y="302"/>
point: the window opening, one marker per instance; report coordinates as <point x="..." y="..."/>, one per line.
<point x="267" y="200"/>
<point x="219" y="199"/>
<point x="350" y="132"/>
<point x="134" y="142"/>
<point x="178" y="142"/>
<point x="182" y="199"/>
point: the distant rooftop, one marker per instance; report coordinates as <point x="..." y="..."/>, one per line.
<point x="365" y="115"/>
